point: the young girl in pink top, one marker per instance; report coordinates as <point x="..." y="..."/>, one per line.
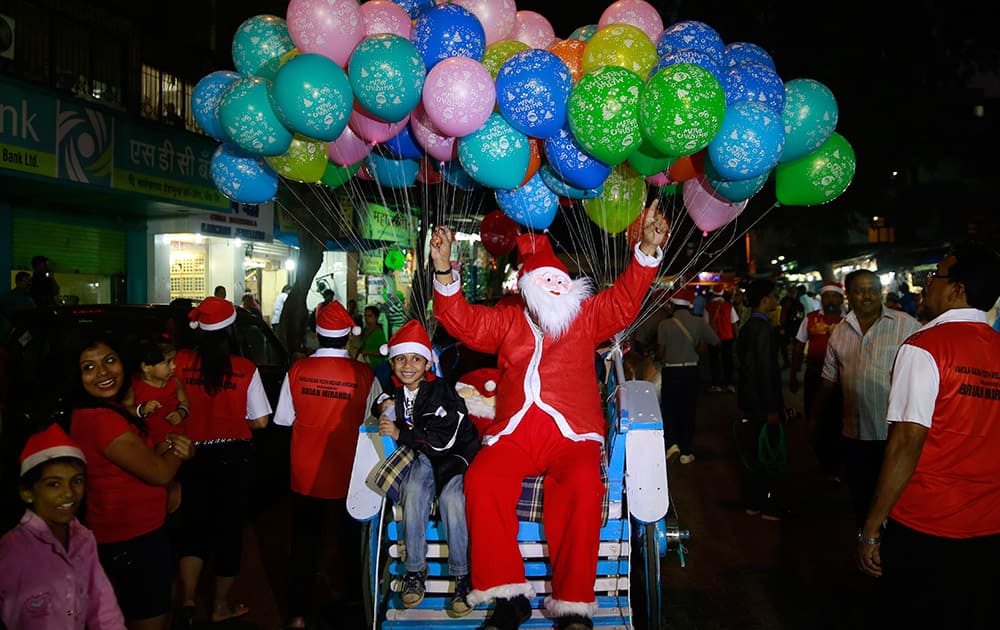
<point x="50" y="575"/>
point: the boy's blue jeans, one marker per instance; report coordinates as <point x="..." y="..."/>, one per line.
<point x="418" y="492"/>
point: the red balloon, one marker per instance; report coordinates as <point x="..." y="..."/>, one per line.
<point x="498" y="233"/>
<point x="428" y="173"/>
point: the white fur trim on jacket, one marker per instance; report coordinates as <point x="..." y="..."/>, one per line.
<point x="504" y="591"/>
<point x="561" y="608"/>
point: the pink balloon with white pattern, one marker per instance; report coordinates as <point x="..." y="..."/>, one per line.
<point x="533" y="29"/>
<point x="496" y="16"/>
<point x="638" y="13"/>
<point x="383" y="16"/>
<point x="332" y="28"/>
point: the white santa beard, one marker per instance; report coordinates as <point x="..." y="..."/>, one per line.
<point x="554" y="313"/>
<point x="477" y="404"/>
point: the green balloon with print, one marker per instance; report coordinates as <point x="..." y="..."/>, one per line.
<point x="603" y="113"/>
<point x="621" y="202"/>
<point x="819" y="177"/>
<point x="681" y="109"/>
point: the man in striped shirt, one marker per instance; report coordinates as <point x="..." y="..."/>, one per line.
<point x="859" y="356"/>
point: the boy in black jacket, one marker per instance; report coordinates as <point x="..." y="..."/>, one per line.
<point x="427" y="415"/>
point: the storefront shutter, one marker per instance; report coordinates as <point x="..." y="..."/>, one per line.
<point x="70" y="248"/>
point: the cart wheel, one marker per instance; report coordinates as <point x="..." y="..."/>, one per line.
<point x="651" y="576"/>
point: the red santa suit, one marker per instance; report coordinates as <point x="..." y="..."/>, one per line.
<point x="549" y="420"/>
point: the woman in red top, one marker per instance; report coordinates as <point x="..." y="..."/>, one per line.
<point x="126" y="498"/>
<point x="227" y="401"/>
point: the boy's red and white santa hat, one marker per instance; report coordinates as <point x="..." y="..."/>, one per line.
<point x="335" y="321"/>
<point x="212" y="314"/>
<point x="49" y="444"/>
<point x="683" y="297"/>
<point x="411" y="338"/>
<point x="535" y="252"/>
<point x="831" y="286"/>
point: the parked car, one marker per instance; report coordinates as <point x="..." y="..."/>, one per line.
<point x="36" y="373"/>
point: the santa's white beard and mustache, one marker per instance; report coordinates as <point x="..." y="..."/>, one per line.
<point x="554" y="313"/>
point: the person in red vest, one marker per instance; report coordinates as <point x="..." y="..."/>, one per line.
<point x="810" y="342"/>
<point x="228" y="402"/>
<point x="324" y="398"/>
<point x="722" y="317"/>
<point x="938" y="494"/>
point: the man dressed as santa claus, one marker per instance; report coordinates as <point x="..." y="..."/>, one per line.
<point x="549" y="420"/>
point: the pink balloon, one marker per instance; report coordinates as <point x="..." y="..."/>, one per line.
<point x="383" y="16"/>
<point x="496" y="16"/>
<point x="332" y="28"/>
<point x="708" y="210"/>
<point x="348" y="148"/>
<point x="660" y="179"/>
<point x="638" y="13"/>
<point x="374" y="129"/>
<point x="459" y="95"/>
<point x="533" y="29"/>
<point x="436" y="144"/>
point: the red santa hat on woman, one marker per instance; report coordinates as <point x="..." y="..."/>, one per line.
<point x="831" y="286"/>
<point x="410" y="338"/>
<point x="535" y="252"/>
<point x="212" y="314"/>
<point x="334" y="321"/>
<point x="49" y="444"/>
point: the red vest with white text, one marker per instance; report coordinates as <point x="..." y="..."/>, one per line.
<point x="720" y="317"/>
<point x="819" y="327"/>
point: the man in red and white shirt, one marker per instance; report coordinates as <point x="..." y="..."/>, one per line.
<point x="722" y="317"/>
<point x="939" y="490"/>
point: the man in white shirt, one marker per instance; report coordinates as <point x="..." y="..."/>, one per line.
<point x="279" y="305"/>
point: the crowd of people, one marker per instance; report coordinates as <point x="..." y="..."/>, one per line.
<point x="906" y="410"/>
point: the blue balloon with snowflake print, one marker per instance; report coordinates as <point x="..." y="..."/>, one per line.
<point x="532" y="205"/>
<point x="242" y="177"/>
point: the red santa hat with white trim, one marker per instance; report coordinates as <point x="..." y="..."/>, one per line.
<point x="831" y="286"/>
<point x="683" y="297"/>
<point x="479" y="389"/>
<point x="335" y="321"/>
<point x="49" y="444"/>
<point x="212" y="314"/>
<point x="535" y="252"/>
<point x="412" y="338"/>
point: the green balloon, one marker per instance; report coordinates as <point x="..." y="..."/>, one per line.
<point x="818" y="177"/>
<point x="499" y="52"/>
<point x="646" y="160"/>
<point x="620" y="203"/>
<point x="394" y="259"/>
<point x="681" y="109"/>
<point x="336" y="175"/>
<point x="603" y="113"/>
<point x="304" y="161"/>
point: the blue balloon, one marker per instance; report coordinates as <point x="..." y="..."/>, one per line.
<point x="734" y="190"/>
<point x="414" y="7"/>
<point x="249" y="120"/>
<point x="259" y="44"/>
<point x="572" y="164"/>
<point x="242" y="177"/>
<point x="387" y="76"/>
<point x="205" y="102"/>
<point x="448" y="30"/>
<point x="404" y="146"/>
<point x="533" y="89"/>
<point x="691" y="34"/>
<point x="392" y="173"/>
<point x="742" y="52"/>
<point x="749" y="142"/>
<point x="563" y="189"/>
<point x="583" y="33"/>
<point x="693" y="56"/>
<point x="454" y="174"/>
<point x="755" y="82"/>
<point x="312" y="96"/>
<point x="810" y="116"/>
<point x="496" y="155"/>
<point x="532" y="205"/>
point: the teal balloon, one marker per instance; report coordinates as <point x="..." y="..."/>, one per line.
<point x="249" y="120"/>
<point x="734" y="190"/>
<point x="311" y="96"/>
<point x="387" y="75"/>
<point x="583" y="33"/>
<point x="496" y="155"/>
<point x="392" y="173"/>
<point x="818" y="177"/>
<point x="259" y="45"/>
<point x="563" y="189"/>
<point x="810" y="116"/>
<point x="532" y="205"/>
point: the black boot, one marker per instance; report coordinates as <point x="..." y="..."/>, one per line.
<point x="574" y="622"/>
<point x="508" y="614"/>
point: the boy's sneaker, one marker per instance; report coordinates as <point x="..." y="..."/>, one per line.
<point x="459" y="607"/>
<point x="673" y="451"/>
<point x="413" y="588"/>
<point x="687" y="459"/>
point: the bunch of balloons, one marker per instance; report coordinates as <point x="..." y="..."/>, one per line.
<point x="482" y="95"/>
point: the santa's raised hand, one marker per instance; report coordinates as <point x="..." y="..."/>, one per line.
<point x="441" y="253"/>
<point x="655" y="229"/>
